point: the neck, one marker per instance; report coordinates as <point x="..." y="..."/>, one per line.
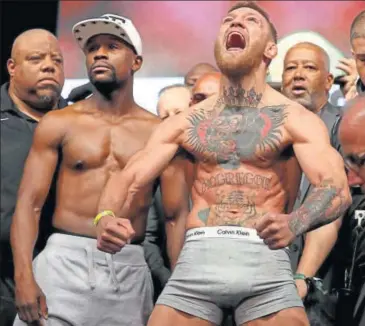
<point x="24" y="107"/>
<point x="118" y="102"/>
<point x="321" y="103"/>
<point x="244" y="90"/>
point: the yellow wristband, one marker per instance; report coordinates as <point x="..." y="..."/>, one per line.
<point x="101" y="215"/>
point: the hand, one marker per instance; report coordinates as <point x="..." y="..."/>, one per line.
<point x="30" y="302"/>
<point x="302" y="288"/>
<point x="274" y="229"/>
<point x="113" y="233"/>
<point x="349" y="67"/>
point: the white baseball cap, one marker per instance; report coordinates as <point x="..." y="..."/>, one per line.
<point x="108" y="24"/>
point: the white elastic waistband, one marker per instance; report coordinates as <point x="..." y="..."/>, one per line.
<point x="233" y="232"/>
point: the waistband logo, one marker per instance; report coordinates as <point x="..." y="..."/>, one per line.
<point x="233" y="232"/>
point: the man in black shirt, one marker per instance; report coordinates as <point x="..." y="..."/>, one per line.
<point x="36" y="80"/>
<point x="352" y="139"/>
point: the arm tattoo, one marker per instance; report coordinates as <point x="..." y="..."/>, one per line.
<point x="323" y="205"/>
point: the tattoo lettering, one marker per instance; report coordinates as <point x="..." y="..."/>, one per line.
<point x="236" y="134"/>
<point x="324" y="204"/>
<point x="237" y="96"/>
<point x="234" y="208"/>
<point x="238" y="178"/>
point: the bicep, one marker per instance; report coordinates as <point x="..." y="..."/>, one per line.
<point x="312" y="147"/>
<point x="40" y="163"/>
<point x="148" y="164"/>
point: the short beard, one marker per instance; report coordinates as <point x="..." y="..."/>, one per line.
<point x="237" y="67"/>
<point x="105" y="87"/>
<point x="45" y="103"/>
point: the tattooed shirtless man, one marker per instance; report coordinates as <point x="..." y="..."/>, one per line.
<point x="234" y="256"/>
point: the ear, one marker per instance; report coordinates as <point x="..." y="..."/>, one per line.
<point x="329" y="82"/>
<point x="137" y="63"/>
<point x="11" y="67"/>
<point x="271" y="50"/>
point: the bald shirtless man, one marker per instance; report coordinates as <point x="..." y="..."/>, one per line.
<point x="72" y="283"/>
<point x="239" y="139"/>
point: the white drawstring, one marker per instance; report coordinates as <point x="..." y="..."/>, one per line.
<point x="90" y="263"/>
<point x="110" y="262"/>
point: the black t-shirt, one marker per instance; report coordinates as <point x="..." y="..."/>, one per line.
<point x="354" y="219"/>
<point x="17" y="131"/>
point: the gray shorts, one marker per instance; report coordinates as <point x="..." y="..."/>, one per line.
<point x="230" y="268"/>
<point x="84" y="286"/>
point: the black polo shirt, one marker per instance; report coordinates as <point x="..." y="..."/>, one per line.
<point x="17" y="131"/>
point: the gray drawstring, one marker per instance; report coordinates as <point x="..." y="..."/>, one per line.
<point x="90" y="263"/>
<point x="110" y="262"/>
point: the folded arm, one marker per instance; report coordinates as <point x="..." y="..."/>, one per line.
<point x="323" y="166"/>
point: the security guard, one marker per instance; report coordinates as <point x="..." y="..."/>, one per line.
<point x="36" y="80"/>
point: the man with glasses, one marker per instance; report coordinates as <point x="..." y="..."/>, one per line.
<point x="352" y="138"/>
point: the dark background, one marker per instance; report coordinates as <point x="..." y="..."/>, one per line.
<point x="18" y="16"/>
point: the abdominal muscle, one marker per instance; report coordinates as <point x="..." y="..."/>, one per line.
<point x="237" y="197"/>
<point x="77" y="201"/>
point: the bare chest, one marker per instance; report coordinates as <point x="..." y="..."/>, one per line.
<point x="237" y="135"/>
<point x="109" y="147"/>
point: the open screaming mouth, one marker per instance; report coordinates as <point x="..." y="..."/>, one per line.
<point x="235" y="41"/>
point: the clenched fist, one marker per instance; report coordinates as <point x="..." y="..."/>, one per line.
<point x="113" y="234"/>
<point x="274" y="229"/>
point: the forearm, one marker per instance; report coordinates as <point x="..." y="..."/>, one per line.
<point x="117" y="193"/>
<point x="326" y="202"/>
<point x="318" y="244"/>
<point x="175" y="231"/>
<point x="23" y="236"/>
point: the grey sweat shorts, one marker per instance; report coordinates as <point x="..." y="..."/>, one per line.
<point x="230" y="268"/>
<point x="84" y="286"/>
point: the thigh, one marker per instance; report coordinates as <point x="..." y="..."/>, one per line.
<point x="291" y="316"/>
<point x="167" y="316"/>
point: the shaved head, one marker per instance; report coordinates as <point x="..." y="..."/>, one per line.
<point x="352" y="139"/>
<point x="36" y="69"/>
<point x="196" y="72"/>
<point x="353" y="120"/>
<point x="206" y="86"/>
<point x="28" y="38"/>
<point x="358" y="26"/>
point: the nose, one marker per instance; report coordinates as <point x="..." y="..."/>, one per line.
<point x="354" y="179"/>
<point x="48" y="65"/>
<point x="298" y="74"/>
<point x="236" y="23"/>
<point x="101" y="54"/>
